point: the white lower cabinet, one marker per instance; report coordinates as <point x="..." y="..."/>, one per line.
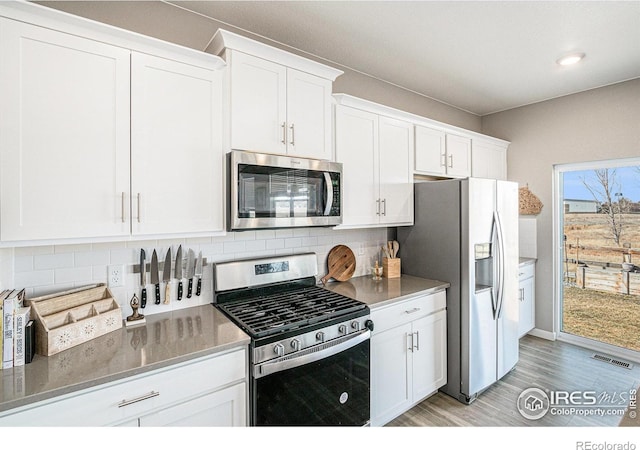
<point x="408" y="354"/>
<point x="526" y="295"/>
<point x="210" y="391"/>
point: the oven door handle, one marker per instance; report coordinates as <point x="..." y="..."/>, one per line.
<point x="310" y="354"/>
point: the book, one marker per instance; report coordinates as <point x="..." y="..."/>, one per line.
<point x="3" y="295"/>
<point x="11" y="302"/>
<point x="20" y="318"/>
<point x="29" y="341"/>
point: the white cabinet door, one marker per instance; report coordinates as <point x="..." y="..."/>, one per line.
<point x="488" y="160"/>
<point x="176" y="149"/>
<point x="357" y="149"/>
<point x="308" y="115"/>
<point x="458" y="156"/>
<point x="430" y="151"/>
<point x="396" y="171"/>
<point x="258" y="90"/>
<point x="430" y="354"/>
<point x="526" y="294"/>
<point x="64" y="135"/>
<point x="223" y="408"/>
<point x="391" y="374"/>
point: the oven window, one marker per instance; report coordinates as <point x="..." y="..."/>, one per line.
<point x="266" y="192"/>
<point x="332" y="391"/>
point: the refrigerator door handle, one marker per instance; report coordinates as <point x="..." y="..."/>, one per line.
<point x="501" y="262"/>
<point x="495" y="288"/>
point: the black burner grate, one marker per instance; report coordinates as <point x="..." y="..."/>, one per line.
<point x="265" y="315"/>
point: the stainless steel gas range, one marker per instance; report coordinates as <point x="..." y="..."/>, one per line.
<point x="309" y="351"/>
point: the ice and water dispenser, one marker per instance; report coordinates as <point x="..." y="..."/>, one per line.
<point x="484" y="267"/>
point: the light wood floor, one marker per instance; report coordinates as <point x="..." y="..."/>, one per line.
<point x="551" y="365"/>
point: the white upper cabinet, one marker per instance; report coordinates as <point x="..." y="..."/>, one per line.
<point x="104" y="133"/>
<point x="396" y="176"/>
<point x="357" y="149"/>
<point x="439" y="153"/>
<point x="176" y="147"/>
<point x="258" y="112"/>
<point x="375" y="152"/>
<point x="458" y="159"/>
<point x="430" y="151"/>
<point x="277" y="102"/>
<point x="64" y="135"/>
<point x="488" y="160"/>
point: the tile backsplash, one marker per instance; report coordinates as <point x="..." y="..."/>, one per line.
<point x="55" y="268"/>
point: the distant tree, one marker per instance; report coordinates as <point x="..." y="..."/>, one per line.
<point x="605" y="188"/>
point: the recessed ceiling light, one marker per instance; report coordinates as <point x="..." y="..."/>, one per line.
<point x="570" y="59"/>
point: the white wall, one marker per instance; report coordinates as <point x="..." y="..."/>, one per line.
<point x="595" y="125"/>
<point x="54" y="268"/>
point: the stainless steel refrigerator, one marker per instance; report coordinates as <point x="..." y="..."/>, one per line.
<point x="466" y="232"/>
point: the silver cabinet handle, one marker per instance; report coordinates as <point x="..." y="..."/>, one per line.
<point x="123" y="218"/>
<point x="410" y="347"/>
<point x="384" y="204"/>
<point x="443" y="160"/>
<point x="139" y="219"/>
<point x="417" y="333"/>
<point x="293" y="136"/>
<point x="138" y="399"/>
<point x="411" y="311"/>
<point x="451" y="161"/>
<point x="378" y="207"/>
<point x="284" y="132"/>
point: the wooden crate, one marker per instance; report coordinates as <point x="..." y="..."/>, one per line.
<point x="70" y="318"/>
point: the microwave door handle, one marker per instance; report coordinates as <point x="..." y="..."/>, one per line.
<point x="328" y="192"/>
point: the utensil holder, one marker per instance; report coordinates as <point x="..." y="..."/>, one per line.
<point x="391" y="267"/>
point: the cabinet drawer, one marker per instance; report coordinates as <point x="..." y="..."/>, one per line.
<point x="123" y="400"/>
<point x="408" y="310"/>
<point x="526" y="271"/>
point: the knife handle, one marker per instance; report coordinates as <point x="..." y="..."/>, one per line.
<point x="143" y="298"/>
<point x="158" y="294"/>
<point x="180" y="290"/>
<point x="167" y="293"/>
<point x="190" y="288"/>
<point x="199" y="286"/>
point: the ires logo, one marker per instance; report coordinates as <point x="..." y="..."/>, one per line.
<point x="576" y="398"/>
<point x="535" y="403"/>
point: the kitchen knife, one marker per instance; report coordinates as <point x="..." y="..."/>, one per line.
<point x="179" y="271"/>
<point x="198" y="273"/>
<point x="143" y="279"/>
<point x="155" y="277"/>
<point x="166" y="276"/>
<point x="190" y="271"/>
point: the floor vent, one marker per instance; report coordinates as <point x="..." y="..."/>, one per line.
<point x="610" y="360"/>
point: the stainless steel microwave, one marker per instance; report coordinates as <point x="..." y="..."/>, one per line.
<point x="272" y="191"/>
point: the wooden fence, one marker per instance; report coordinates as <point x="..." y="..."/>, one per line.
<point x="608" y="280"/>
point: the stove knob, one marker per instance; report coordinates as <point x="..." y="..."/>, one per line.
<point x="295" y="345"/>
<point x="355" y="325"/>
<point x="320" y="336"/>
<point x="369" y="324"/>
<point x="342" y="329"/>
<point x="278" y="349"/>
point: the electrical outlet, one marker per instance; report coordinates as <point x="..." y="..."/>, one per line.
<point x="115" y="275"/>
<point x="361" y="249"/>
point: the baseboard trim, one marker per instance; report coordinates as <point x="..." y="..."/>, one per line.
<point x="548" y="335"/>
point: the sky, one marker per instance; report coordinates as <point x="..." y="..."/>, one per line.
<point x="627" y="178"/>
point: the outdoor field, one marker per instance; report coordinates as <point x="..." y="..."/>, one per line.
<point x="608" y="317"/>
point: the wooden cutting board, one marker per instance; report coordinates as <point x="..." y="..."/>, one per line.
<point x="341" y="262"/>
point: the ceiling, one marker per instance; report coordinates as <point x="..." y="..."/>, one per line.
<point x="480" y="56"/>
